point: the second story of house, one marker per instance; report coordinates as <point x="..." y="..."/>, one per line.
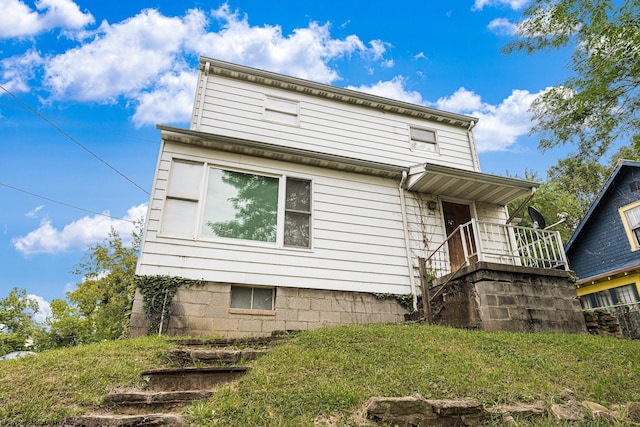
<point x="236" y="101"/>
<point x="607" y="239"/>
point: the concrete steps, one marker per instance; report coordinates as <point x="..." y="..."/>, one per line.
<point x="183" y="379"/>
<point x="111" y="420"/>
<point x="171" y="389"/>
<point x="136" y="402"/>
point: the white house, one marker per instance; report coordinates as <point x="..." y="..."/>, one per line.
<point x="299" y="204"/>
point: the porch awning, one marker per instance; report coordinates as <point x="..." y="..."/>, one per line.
<point x="467" y="185"/>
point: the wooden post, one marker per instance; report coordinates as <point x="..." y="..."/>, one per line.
<point x="426" y="297"/>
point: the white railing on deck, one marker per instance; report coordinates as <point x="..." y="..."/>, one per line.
<point x="498" y="243"/>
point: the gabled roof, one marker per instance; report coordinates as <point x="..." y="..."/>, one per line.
<point x="601" y="195"/>
<point x="209" y="66"/>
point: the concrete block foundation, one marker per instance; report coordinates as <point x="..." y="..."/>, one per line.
<point x="206" y="310"/>
<point x="497" y="297"/>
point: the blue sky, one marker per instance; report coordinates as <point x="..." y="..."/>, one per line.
<point x="84" y="84"/>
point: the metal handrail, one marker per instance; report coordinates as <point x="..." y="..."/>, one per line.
<point x="499" y="243"/>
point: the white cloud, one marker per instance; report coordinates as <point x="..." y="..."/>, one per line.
<point x="461" y="100"/>
<point x="19" y="69"/>
<point x="502" y="26"/>
<point x="44" y="308"/>
<point x="393" y="89"/>
<point x="158" y="50"/>
<point x="304" y="53"/>
<point x="513" y="4"/>
<point x="171" y="99"/>
<point x="19" y="20"/>
<point x="499" y="125"/>
<point x="34" y="213"/>
<point x="123" y="58"/>
<point x="78" y="234"/>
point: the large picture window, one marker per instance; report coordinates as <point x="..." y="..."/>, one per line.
<point x="241" y="206"/>
<point x="236" y="205"/>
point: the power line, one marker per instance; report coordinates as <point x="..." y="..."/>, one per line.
<point x="63" y="203"/>
<point x="72" y="139"/>
<point x="78" y="124"/>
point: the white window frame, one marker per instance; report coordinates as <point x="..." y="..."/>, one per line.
<point x="631" y="229"/>
<point x="281" y="110"/>
<point x="175" y="194"/>
<point x="201" y="200"/>
<point x="252" y="308"/>
<point x="419" y="142"/>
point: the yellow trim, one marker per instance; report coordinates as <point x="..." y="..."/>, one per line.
<point x="609" y="283"/>
<point x="627" y="228"/>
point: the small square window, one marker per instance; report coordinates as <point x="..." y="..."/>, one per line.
<point x="423" y="139"/>
<point x="252" y="298"/>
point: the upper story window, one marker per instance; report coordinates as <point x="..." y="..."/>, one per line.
<point x="237" y="205"/>
<point x="630" y="215"/>
<point x="423" y="139"/>
<point x="281" y="111"/>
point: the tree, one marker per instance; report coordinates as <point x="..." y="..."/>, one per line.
<point x="16" y="323"/>
<point x="600" y="103"/>
<point x="100" y="308"/>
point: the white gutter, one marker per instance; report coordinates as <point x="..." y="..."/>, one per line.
<point x="407" y="240"/>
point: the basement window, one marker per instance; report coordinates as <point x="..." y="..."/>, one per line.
<point x="251" y="298"/>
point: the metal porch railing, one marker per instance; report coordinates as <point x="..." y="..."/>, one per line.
<point x="478" y="241"/>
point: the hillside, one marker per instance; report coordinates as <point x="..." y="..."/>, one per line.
<point x="329" y="374"/>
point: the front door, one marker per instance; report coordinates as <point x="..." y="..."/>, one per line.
<point x="456" y="214"/>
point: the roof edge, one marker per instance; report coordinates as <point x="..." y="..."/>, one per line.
<point x="277" y="152"/>
<point x="348" y="96"/>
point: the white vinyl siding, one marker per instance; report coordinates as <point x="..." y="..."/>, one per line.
<point x="358" y="242"/>
<point x="281" y="111"/>
<point x="236" y="109"/>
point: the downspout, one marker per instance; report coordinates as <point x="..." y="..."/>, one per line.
<point x="407" y="240"/>
<point x="198" y="105"/>
<point x="472" y="145"/>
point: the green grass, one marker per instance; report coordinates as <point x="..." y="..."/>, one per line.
<point x="330" y="373"/>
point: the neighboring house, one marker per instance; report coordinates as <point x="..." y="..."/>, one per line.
<point x="604" y="250"/>
<point x="301" y="204"/>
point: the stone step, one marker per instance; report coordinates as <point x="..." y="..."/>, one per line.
<point x="135" y="402"/>
<point x="118" y="420"/>
<point x="226" y="342"/>
<point x="213" y="357"/>
<point x="183" y="379"/>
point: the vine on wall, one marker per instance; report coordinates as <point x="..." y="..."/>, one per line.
<point x="405" y="300"/>
<point x="158" y="293"/>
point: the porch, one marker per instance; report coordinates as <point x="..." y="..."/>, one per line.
<point x="480" y="241"/>
<point x="501" y="277"/>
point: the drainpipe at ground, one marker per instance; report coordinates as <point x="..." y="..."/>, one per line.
<point x="407" y="240"/>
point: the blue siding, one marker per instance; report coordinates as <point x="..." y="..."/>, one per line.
<point x="603" y="244"/>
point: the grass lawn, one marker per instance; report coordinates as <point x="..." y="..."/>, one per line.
<point x="330" y="373"/>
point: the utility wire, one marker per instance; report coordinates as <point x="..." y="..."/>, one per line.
<point x="78" y="124"/>
<point x="72" y="139"/>
<point x="63" y="203"/>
